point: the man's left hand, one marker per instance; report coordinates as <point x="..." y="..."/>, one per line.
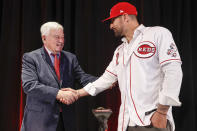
<point x="159" y="120"/>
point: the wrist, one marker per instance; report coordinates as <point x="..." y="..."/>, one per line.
<point x="78" y="93"/>
<point x="161" y="113"/>
<point x="163" y="108"/>
<point x="58" y="97"/>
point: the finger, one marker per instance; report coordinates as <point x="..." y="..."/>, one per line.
<point x="64" y="101"/>
<point x="74" y="91"/>
<point x="71" y="98"/>
<point x="70" y="89"/>
<point x="68" y="101"/>
<point x="65" y="89"/>
<point x="75" y="96"/>
<point x="61" y="99"/>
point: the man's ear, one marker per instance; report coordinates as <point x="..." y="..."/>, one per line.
<point x="43" y="38"/>
<point x="125" y="17"/>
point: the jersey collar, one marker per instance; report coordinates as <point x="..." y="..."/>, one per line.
<point x="137" y="31"/>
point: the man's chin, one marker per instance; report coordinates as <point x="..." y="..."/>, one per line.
<point x="118" y="35"/>
<point x="59" y="50"/>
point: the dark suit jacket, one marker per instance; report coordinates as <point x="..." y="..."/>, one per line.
<point x="41" y="86"/>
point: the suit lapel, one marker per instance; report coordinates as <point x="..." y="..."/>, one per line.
<point x="47" y="59"/>
<point x="63" y="63"/>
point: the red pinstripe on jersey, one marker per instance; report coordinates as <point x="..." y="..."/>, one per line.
<point x="132" y="97"/>
<point x="111" y="73"/>
<point x="169" y="60"/>
<point x="123" y="113"/>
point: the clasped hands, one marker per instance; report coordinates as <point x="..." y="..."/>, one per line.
<point x="67" y="96"/>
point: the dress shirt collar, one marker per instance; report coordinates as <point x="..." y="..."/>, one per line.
<point x="50" y="52"/>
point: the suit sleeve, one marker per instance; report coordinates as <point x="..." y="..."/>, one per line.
<point x="79" y="75"/>
<point x="31" y="84"/>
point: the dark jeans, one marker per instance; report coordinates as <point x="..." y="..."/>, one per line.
<point x="60" y="125"/>
<point x="149" y="128"/>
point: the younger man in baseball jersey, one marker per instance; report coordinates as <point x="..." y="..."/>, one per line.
<point x="147" y="67"/>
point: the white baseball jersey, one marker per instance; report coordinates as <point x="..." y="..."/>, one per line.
<point x="148" y="70"/>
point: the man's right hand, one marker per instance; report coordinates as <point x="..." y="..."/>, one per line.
<point x="67" y="96"/>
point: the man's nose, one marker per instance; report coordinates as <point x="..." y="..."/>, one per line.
<point x="61" y="40"/>
<point x="111" y="26"/>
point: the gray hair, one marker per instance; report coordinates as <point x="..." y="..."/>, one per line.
<point x="46" y="27"/>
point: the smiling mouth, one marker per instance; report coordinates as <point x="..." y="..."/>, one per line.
<point x="60" y="45"/>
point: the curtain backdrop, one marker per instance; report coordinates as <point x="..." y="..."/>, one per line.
<point x="93" y="43"/>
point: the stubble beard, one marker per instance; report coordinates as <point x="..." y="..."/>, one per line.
<point x="118" y="33"/>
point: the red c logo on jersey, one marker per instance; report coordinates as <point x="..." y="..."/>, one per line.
<point x="145" y="49"/>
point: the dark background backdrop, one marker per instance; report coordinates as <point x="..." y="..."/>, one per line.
<point x="93" y="43"/>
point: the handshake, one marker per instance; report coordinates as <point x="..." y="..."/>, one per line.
<point x="68" y="95"/>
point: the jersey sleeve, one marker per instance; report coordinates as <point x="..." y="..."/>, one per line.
<point x="170" y="62"/>
<point x="169" y="94"/>
<point x="103" y="82"/>
<point x="167" y="49"/>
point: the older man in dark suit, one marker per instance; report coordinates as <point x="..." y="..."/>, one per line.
<point x="45" y="72"/>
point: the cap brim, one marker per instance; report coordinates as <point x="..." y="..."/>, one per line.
<point x="107" y="19"/>
<point x="111" y="17"/>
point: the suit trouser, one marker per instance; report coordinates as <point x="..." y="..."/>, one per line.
<point x="149" y="128"/>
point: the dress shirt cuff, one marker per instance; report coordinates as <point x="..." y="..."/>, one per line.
<point x="167" y="100"/>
